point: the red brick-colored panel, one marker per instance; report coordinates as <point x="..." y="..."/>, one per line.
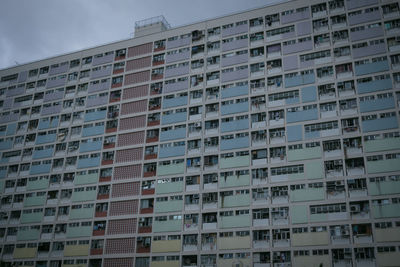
<point x="126" y="189"/>
<point x="137" y="77"/>
<point x="139" y="63"/>
<point x="127" y="155"/>
<point x="119" y="262"/>
<point x="140" y="50"/>
<point x="127" y="207"/>
<point x="127" y="172"/>
<point x="135" y="92"/>
<point x="132" y="123"/>
<point x="131" y="139"/>
<point x="120" y="245"/>
<point x="118" y="227"/>
<point x="134" y="107"/>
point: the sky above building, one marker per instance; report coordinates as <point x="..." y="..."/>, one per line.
<point x="33" y="30"/>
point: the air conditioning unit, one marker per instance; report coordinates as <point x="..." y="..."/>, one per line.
<point x="354" y="208"/>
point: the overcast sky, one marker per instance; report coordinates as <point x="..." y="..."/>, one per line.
<point x="35" y="29"/>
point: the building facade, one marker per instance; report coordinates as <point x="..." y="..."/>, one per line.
<point x="264" y="138"/>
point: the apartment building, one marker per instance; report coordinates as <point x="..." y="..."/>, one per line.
<point x="267" y="138"/>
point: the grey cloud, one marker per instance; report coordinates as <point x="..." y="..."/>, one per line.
<point x="32" y="30"/>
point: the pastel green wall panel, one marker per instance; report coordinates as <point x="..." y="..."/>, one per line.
<point x="298" y="214"/>
<point x="86" y="179"/>
<point x="171" y="169"/>
<point x="384" y="188"/>
<point x="235" y="221"/>
<point x="304" y="154"/>
<point x="382" y="144"/>
<point x="35" y="201"/>
<point x="33" y="217"/>
<point x="37" y="185"/>
<point x="169" y="187"/>
<point x="84" y="196"/>
<point x="83" y="213"/>
<point x="387" y="165"/>
<point x="168" y="206"/>
<point x="234" y="201"/>
<point x="296" y="176"/>
<point x="314" y="170"/>
<point x="386" y="211"/>
<point x="307" y="194"/>
<point x="235" y="180"/>
<point x="28" y="234"/>
<point x="234" y="162"/>
<point x="80" y="231"/>
<point x="167" y="226"/>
